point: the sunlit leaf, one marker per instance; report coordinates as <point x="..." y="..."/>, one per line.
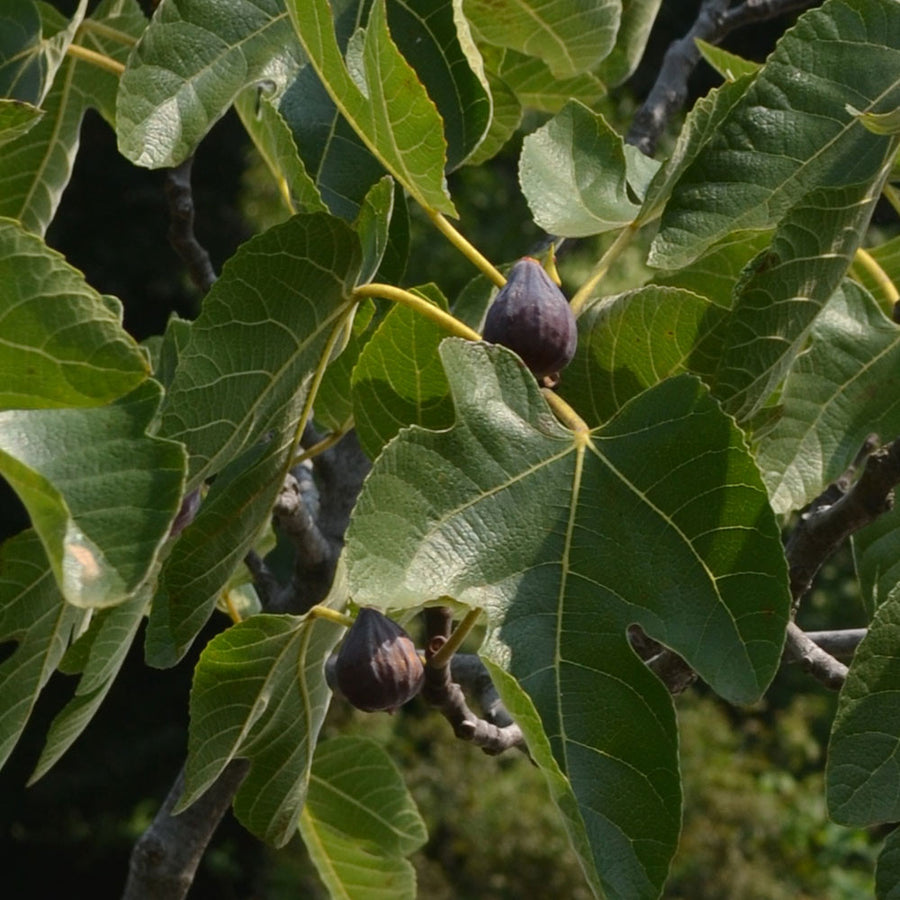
<point x="100" y="491"/>
<point x="360" y="822"/>
<point x="190" y="65"/>
<point x="380" y="96"/>
<point x="783" y="289"/>
<point x="36" y="167"/>
<point x="61" y="343"/>
<point x="573" y="174"/>
<point x="790" y="133"/>
<point x="843" y="388"/>
<point x="568" y="35"/>
<point x="729" y="65"/>
<point x="259" y="693"/>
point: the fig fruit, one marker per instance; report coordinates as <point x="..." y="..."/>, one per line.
<point x="531" y="316"/>
<point x="377" y="667"/>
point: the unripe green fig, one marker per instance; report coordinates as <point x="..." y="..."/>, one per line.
<point x="531" y="316"/>
<point x="377" y="667"/>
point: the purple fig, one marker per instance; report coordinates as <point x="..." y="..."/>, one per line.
<point x="531" y="316"/>
<point x="377" y="666"/>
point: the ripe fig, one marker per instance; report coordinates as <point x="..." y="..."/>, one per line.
<point x="377" y="666"/>
<point x="531" y="316"/>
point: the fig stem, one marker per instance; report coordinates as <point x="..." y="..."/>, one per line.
<point x="98" y="28"/>
<point x="100" y="60"/>
<point x="421" y="306"/>
<point x="585" y="292"/>
<point x="325" y="612"/>
<point x="442" y="658"/>
<point x="566" y="414"/>
<point x="326" y="442"/>
<point x="465" y="247"/>
<point x="315" y="382"/>
<point x="865" y="260"/>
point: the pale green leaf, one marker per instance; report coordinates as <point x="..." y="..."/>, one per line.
<point x="573" y="174"/>
<point x="790" y="133"/>
<point x="659" y="517"/>
<point x="887" y="258"/>
<point x="638" y="17"/>
<point x="263" y="330"/>
<point x="100" y="492"/>
<point x="837" y="393"/>
<point x="535" y="86"/>
<point x="435" y="40"/>
<point x="507" y="115"/>
<point x="34" y="617"/>
<point x="61" y="343"/>
<point x="729" y="65"/>
<point x="360" y="822"/>
<point x="878" y="123"/>
<point x="188" y="68"/>
<point x="862" y="770"/>
<point x="259" y="693"/>
<point x="570" y="36"/>
<point x="17" y="118"/>
<point x="380" y="96"/>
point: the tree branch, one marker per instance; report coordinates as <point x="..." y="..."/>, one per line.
<point x="842" y="509"/>
<point x="165" y="857"/>
<point x="713" y="23"/>
<point x="181" y="226"/>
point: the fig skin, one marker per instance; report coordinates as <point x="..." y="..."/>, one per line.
<point x="377" y="667"/>
<point x="532" y="317"/>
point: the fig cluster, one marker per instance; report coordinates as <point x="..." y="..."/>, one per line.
<point x="532" y="317"/>
<point x="377" y="667"/>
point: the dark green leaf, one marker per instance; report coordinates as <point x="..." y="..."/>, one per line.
<point x="660" y="517"/>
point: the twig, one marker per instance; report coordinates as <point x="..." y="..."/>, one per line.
<point x="823" y="666"/>
<point x="669" y="93"/>
<point x="841" y="644"/>
<point x="165" y="858"/>
<point x="445" y="695"/>
<point x="830" y="521"/>
<point x="181" y="226"/>
<point x="842" y="509"/>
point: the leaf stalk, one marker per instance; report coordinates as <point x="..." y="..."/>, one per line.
<point x="585" y="292"/>
<point x="442" y="658"/>
<point x="420" y="305"/>
<point x="107" y="63"/>
<point x="465" y="247"/>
